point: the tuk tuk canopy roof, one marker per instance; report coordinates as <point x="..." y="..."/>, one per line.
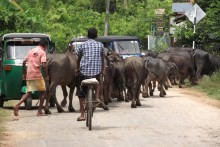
<point x="24" y="35"/>
<point x="106" y="38"/>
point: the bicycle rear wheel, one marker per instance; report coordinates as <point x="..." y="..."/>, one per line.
<point x="89" y="110"/>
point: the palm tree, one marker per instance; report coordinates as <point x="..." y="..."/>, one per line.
<point x="10" y="4"/>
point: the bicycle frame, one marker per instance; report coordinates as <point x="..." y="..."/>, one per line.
<point x="91" y="83"/>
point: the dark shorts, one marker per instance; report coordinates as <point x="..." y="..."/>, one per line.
<point x="83" y="89"/>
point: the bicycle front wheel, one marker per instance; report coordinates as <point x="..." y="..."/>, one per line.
<point x="89" y="110"/>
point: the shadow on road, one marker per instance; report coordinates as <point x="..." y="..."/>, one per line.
<point x="21" y="108"/>
<point x="100" y="128"/>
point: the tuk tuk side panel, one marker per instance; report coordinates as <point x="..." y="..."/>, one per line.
<point x="12" y="84"/>
<point x="1" y="84"/>
<point x="12" y="81"/>
<point x="1" y="70"/>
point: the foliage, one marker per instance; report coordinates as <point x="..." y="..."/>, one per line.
<point x="210" y="85"/>
<point x="207" y="30"/>
<point x="160" y="47"/>
<point x="65" y="19"/>
<point x="184" y="34"/>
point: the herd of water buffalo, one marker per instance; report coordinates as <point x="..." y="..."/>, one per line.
<point x="124" y="78"/>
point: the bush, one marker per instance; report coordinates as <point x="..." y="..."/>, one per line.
<point x="210" y="85"/>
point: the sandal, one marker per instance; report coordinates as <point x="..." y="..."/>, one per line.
<point x="81" y="119"/>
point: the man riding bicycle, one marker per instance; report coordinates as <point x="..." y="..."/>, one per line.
<point x="90" y="63"/>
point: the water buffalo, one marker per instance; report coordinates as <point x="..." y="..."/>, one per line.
<point x="61" y="70"/>
<point x="109" y="72"/>
<point x="187" y="53"/>
<point x="174" y="71"/>
<point x="135" y="74"/>
<point x="158" y="70"/>
<point x="202" y="61"/>
<point x="113" y="79"/>
<point x="152" y="85"/>
<point x="183" y="62"/>
<point x="149" y="53"/>
<point x="178" y="49"/>
<point x="205" y="63"/>
<point x="119" y="88"/>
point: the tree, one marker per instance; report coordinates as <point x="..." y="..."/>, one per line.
<point x="207" y="35"/>
<point x="65" y="19"/>
<point x="106" y="17"/>
<point x="126" y="4"/>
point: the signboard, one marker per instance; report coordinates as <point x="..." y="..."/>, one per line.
<point x="160" y="11"/>
<point x="195" y="14"/>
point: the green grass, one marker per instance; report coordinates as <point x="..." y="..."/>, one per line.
<point x="210" y="85"/>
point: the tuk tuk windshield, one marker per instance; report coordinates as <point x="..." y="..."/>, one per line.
<point x="18" y="50"/>
<point x="126" y="47"/>
<point x="77" y="44"/>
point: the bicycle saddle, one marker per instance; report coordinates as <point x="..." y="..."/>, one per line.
<point x="92" y="81"/>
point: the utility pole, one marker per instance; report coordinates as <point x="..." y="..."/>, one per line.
<point x="195" y="14"/>
<point x="194" y="27"/>
<point x="106" y="17"/>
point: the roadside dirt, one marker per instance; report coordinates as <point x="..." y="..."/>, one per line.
<point x="183" y="118"/>
<point x="201" y="97"/>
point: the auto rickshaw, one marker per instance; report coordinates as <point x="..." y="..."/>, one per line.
<point x="13" y="49"/>
<point x="126" y="46"/>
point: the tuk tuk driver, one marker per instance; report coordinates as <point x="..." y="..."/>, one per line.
<point x="33" y="76"/>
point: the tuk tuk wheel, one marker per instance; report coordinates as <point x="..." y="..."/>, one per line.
<point x="28" y="103"/>
<point x="1" y="102"/>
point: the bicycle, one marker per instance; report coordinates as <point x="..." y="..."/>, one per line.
<point x="89" y="104"/>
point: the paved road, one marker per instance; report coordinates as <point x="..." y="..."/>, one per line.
<point x="180" y="119"/>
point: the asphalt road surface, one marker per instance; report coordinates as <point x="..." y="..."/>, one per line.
<point x="182" y="119"/>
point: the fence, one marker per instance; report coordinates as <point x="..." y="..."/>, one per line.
<point x="158" y="43"/>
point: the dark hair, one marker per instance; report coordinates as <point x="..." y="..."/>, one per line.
<point x="43" y="42"/>
<point x="92" y="33"/>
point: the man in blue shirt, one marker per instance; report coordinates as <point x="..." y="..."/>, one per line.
<point x="90" y="64"/>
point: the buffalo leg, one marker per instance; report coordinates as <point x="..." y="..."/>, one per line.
<point x="133" y="105"/>
<point x="161" y="89"/>
<point x="52" y="92"/>
<point x="145" y="91"/>
<point x="148" y="85"/>
<point x="59" y="108"/>
<point x="65" y="94"/>
<point x="106" y="94"/>
<point x="71" y="109"/>
<point x="138" y="103"/>
<point x="152" y="87"/>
